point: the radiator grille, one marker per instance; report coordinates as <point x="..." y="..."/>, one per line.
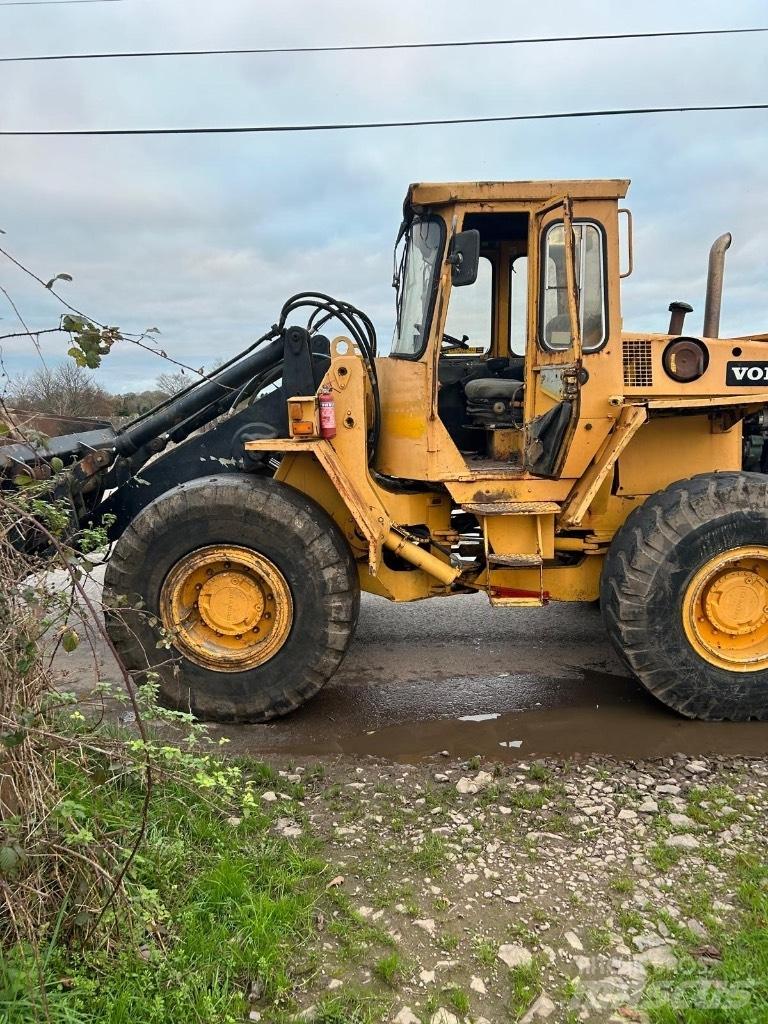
<point x="638" y="369"/>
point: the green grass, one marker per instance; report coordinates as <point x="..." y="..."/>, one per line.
<point x="216" y="908"/>
<point x="526" y="800"/>
<point x="390" y="969"/>
<point x="622" y="884"/>
<point x="355" y="935"/>
<point x="525" y="986"/>
<point x="629" y="920"/>
<point x="490" y="796"/>
<point x="485" y="951"/>
<point x="431" y="854"/>
<point x="733" y="990"/>
<point x="22" y="998"/>
<point x="663" y="857"/>
<point x="458" y="999"/>
<point x="350" y="1008"/>
<point x="598" y="938"/>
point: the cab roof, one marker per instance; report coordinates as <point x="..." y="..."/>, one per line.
<point x="435" y="193"/>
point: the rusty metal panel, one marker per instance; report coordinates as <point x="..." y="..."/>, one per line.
<point x="431" y="194"/>
<point x="511" y="508"/>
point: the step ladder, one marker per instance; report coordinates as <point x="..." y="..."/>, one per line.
<point x="516" y="535"/>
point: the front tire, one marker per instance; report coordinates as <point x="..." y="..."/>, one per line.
<point x="251" y="582"/>
<point x="684" y="595"/>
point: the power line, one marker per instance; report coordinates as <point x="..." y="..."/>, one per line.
<point x="53" y="3"/>
<point x="357" y="125"/>
<point x="524" y="41"/>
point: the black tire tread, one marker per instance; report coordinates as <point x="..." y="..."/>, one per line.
<point x="636" y="560"/>
<point x="246" y="497"/>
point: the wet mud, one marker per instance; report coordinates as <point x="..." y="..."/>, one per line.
<point x="459" y="677"/>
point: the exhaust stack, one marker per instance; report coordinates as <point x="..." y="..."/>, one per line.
<point x="714" y="299"/>
<point x="677" y="319"/>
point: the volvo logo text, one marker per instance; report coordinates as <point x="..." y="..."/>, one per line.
<point x="752" y="374"/>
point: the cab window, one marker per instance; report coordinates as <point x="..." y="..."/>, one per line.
<point x="416" y="284"/>
<point x="469" y="323"/>
<point x="518" y="305"/>
<point x="555" y="330"/>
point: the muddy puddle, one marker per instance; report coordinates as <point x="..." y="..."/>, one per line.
<point x="503" y="718"/>
<point x="455" y="675"/>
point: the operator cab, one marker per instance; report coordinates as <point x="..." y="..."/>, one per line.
<point x="505" y="308"/>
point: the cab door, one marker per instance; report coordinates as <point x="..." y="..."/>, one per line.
<point x="555" y="344"/>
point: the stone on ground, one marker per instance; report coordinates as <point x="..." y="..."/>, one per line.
<point x="682" y="842"/>
<point x="407" y="1016"/>
<point x="515" y="955"/>
<point x="541" y="1009"/>
<point x="467" y="786"/>
<point x="443" y="1016"/>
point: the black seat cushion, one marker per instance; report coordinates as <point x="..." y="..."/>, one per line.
<point x="488" y="388"/>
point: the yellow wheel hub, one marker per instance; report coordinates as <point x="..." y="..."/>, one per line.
<point x="228" y="607"/>
<point x="725" y="610"/>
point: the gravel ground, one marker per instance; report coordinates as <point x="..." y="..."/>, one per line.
<point x="530" y="891"/>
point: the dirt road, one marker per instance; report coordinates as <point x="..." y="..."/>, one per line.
<point x="457" y="676"/>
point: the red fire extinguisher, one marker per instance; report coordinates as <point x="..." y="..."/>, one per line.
<point x="327" y="414"/>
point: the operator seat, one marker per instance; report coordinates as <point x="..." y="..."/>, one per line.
<point x="498" y="400"/>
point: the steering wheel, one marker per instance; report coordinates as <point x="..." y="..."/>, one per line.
<point x="450" y="342"/>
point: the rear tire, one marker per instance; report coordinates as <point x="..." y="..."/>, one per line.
<point x="270" y="523"/>
<point x="682" y="593"/>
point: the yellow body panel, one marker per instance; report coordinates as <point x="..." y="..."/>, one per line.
<point x="672" y="448"/>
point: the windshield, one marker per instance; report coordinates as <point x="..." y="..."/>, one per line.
<point x="414" y="281"/>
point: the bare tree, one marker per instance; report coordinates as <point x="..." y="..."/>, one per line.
<point x="65" y="390"/>
<point x="171" y="384"/>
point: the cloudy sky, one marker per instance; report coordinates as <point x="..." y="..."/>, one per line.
<point x="204" y="237"/>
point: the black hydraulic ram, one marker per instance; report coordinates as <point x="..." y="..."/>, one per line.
<point x="200" y="403"/>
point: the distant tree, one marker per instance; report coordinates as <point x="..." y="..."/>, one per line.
<point x="134" y="403"/>
<point x="65" y="390"/>
<point x="171" y="384"/>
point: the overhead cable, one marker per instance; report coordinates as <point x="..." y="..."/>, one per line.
<point x="359" y="125"/>
<point x="355" y="47"/>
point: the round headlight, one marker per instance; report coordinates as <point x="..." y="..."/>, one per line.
<point x="685" y="359"/>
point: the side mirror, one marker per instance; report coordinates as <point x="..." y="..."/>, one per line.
<point x="464" y="257"/>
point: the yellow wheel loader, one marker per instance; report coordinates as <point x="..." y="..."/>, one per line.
<point x="516" y="440"/>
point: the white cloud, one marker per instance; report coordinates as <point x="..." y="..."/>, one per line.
<point x="205" y="237"/>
